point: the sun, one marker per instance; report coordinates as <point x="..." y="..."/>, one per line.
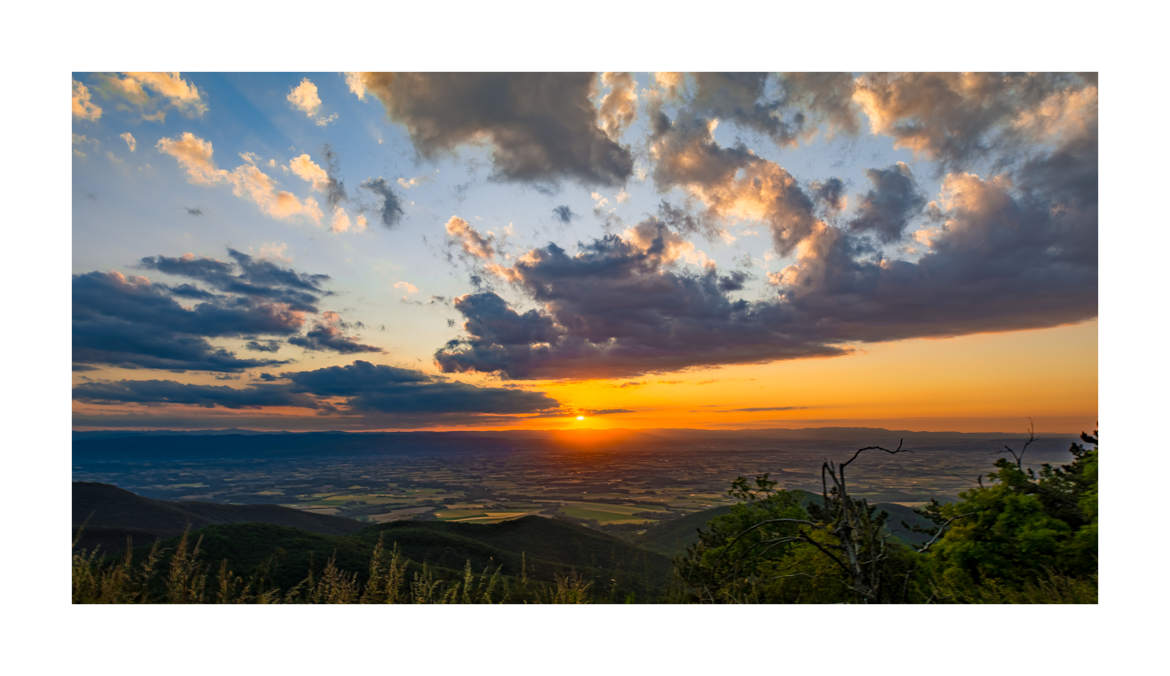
<point x="580" y="418"/>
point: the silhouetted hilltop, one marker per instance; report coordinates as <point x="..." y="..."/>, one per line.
<point x="110" y="514"/>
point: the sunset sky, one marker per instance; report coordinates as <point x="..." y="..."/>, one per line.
<point x="401" y="251"/>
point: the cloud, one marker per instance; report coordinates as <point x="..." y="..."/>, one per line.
<point x="247" y="276"/>
<point x="358" y="395"/>
<point x="388" y="389"/>
<point x="135" y="322"/>
<point x="327" y="335"/>
<point x="473" y="243"/>
<point x="563" y="213"/>
<point x="263" y="346"/>
<point x="356" y="85"/>
<point x="79" y="142"/>
<point x="1011" y="251"/>
<point x="306" y="169"/>
<point x="616" y="309"/>
<point x="959" y="118"/>
<point x="152" y="93"/>
<point x="195" y="156"/>
<point x="619" y="105"/>
<point x="607" y="411"/>
<point x="786" y="107"/>
<point x="830" y="195"/>
<point x="733" y="183"/>
<point x="156" y="392"/>
<point x="408" y="289"/>
<point x="83" y="106"/>
<point x="131" y="143"/>
<point x="541" y="127"/>
<point x="305" y="98"/>
<point x="887" y="208"/>
<point x="390" y="210"/>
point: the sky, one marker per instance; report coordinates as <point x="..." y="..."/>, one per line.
<point x="366" y="251"/>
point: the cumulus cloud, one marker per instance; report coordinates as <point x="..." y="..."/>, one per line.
<point x="733" y="183"/>
<point x="153" y="93"/>
<point x="131" y="142"/>
<point x="83" y="106"/>
<point x="615" y="309"/>
<point x="541" y="126"/>
<point x="307" y="170"/>
<point x="195" y="156"/>
<point x="958" y="118"/>
<point x="1010" y="250"/>
<point x="305" y="98"/>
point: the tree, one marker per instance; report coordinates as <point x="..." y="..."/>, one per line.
<point x="772" y="548"/>
<point x="1023" y="531"/>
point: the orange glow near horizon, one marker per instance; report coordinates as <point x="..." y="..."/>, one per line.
<point x="990" y="382"/>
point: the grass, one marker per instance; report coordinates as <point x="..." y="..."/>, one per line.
<point x="180" y="575"/>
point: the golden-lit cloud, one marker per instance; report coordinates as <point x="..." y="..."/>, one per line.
<point x="408" y="289"/>
<point x="340" y="221"/>
<point x="356" y="85"/>
<point x="305" y="98"/>
<point x="131" y="142"/>
<point x="83" y="106"/>
<point x="469" y="238"/>
<point x="305" y="168"/>
<point x="619" y="105"/>
<point x="151" y="93"/>
<point x="1062" y="115"/>
<point x="195" y="156"/>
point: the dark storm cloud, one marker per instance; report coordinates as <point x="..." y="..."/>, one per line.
<point x="563" y="213"/>
<point x="389" y="211"/>
<point x="541" y="126"/>
<point x="886" y="209"/>
<point x="328" y="337"/>
<point x="207" y="396"/>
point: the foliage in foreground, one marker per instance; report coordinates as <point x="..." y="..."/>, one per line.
<point x="1026" y="537"/>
